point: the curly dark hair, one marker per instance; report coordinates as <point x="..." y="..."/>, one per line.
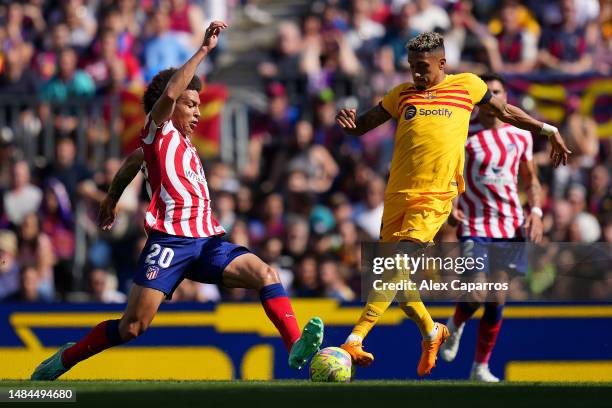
<point x="426" y="42"/>
<point x="158" y="85"/>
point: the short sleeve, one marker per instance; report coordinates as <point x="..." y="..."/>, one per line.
<point x="527" y="154"/>
<point x="390" y="101"/>
<point x="477" y="89"/>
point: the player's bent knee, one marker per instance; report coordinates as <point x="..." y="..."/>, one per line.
<point x="266" y="275"/>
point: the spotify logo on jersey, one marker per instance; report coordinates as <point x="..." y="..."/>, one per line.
<point x="410" y="112"/>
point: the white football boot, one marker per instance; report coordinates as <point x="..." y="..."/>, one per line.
<point x="481" y="373"/>
<point x="449" y="349"/>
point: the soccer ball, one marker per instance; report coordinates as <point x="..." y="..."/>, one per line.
<point x="332" y="364"/>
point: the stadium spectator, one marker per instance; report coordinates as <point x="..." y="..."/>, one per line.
<point x="363" y="33"/>
<point x="35" y="248"/>
<point x="29" y="287"/>
<point x="568" y="46"/>
<point x="329" y="63"/>
<point x="103" y="287"/>
<point x="163" y="48"/>
<point x="57" y="222"/>
<point x="399" y="34"/>
<point x="600" y="191"/>
<point x="110" y="65"/>
<point x="9" y="269"/>
<point x="269" y="135"/>
<point x="24" y="197"/>
<point x="581" y="133"/>
<point x="283" y="62"/>
<point x="46" y="57"/>
<point x="74" y="176"/>
<point x="332" y="283"/>
<point x="429" y="17"/>
<point x="368" y="215"/>
<point x="24" y="21"/>
<point x="306" y="282"/>
<point x="516" y="50"/>
<point x="69" y="82"/>
<point x="79" y="19"/>
<point x="8" y="154"/>
<point x="316" y="161"/>
<point x="297" y="236"/>
<point x="17" y="79"/>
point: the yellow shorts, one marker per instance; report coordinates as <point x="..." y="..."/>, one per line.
<point x="415" y="217"/>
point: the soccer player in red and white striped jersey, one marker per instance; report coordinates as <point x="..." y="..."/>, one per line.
<point x="491" y="218"/>
<point x="184" y="239"/>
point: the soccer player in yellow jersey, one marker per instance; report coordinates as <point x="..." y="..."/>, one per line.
<point x="433" y="115"/>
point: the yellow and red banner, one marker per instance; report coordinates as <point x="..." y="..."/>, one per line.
<point x="206" y="137"/>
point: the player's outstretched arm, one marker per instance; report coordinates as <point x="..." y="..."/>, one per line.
<point x="533" y="221"/>
<point x="517" y="117"/>
<point x="128" y="170"/>
<point x="357" y="126"/>
<point x="163" y="108"/>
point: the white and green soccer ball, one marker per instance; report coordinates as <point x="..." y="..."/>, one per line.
<point x="331" y="364"/>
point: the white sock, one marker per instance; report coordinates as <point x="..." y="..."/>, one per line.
<point x="433" y="334"/>
<point x="354" y="337"/>
<point x="476" y="365"/>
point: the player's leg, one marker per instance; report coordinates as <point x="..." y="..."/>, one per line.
<point x="234" y="266"/>
<point x="250" y="272"/>
<point x="421" y="226"/>
<point x="464" y="310"/>
<point x="471" y="247"/>
<point x="378" y="301"/>
<point x="490" y="325"/>
<point x="161" y="266"/>
<point x="488" y="329"/>
<point x="142" y="306"/>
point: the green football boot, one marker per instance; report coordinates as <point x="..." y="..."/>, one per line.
<point x="52" y="367"/>
<point x="308" y="343"/>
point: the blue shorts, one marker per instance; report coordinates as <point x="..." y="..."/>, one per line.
<point x="167" y="259"/>
<point x="498" y="254"/>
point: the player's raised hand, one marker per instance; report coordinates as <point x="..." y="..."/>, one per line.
<point x="559" y="153"/>
<point x="346" y="118"/>
<point x="534" y="228"/>
<point x="211" y="37"/>
<point x="108" y="213"/>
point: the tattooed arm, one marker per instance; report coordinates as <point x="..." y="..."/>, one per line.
<point x="129" y="169"/>
<point x="357" y="126"/>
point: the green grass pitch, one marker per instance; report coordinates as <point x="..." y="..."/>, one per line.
<point x="291" y="394"/>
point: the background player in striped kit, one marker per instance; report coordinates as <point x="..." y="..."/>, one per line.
<point x="184" y="239"/>
<point x="490" y="216"/>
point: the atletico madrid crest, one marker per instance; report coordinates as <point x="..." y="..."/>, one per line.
<point x="152" y="272"/>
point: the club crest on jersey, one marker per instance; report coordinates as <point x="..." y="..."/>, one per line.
<point x="410" y="112"/>
<point x="152" y="272"/>
<point x="430" y="95"/>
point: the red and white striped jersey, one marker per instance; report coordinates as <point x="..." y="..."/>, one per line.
<point x="180" y="201"/>
<point x="490" y="202"/>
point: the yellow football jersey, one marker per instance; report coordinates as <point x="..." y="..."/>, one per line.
<point x="432" y="128"/>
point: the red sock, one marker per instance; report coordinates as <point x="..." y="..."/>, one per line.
<point x="101" y="337"/>
<point x="278" y="308"/>
<point x="488" y="329"/>
<point x="463" y="312"/>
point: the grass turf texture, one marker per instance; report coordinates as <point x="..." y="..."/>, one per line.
<point x="291" y="394"/>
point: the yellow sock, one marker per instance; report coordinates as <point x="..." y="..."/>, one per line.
<point x="371" y="313"/>
<point x="417" y="312"/>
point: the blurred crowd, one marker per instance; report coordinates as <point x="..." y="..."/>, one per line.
<point x="308" y="194"/>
